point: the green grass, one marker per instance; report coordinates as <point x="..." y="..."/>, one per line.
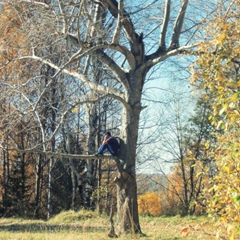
<point x="86" y="225"/>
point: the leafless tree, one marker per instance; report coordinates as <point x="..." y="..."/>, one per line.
<point x="128" y="44"/>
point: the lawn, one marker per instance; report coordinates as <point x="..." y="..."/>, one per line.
<point x="89" y="225"/>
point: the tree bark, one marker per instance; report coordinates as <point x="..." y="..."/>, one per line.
<point x="49" y="189"/>
<point x="38" y="185"/>
<point x="127" y="207"/>
<point x="90" y="162"/>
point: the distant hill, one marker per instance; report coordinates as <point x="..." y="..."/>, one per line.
<point x="150" y="182"/>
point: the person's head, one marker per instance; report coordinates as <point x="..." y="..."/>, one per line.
<point x="108" y="134"/>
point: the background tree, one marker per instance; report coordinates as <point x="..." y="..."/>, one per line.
<point x="182" y="144"/>
<point x="150" y="204"/>
<point x="217" y="72"/>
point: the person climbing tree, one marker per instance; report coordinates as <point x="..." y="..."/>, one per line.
<point x="109" y="143"/>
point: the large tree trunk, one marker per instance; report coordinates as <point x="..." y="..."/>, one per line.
<point x="127" y="207"/>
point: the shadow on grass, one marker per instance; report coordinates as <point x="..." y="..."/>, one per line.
<point x="35" y="227"/>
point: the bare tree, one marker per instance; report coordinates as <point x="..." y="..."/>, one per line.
<point x="179" y="152"/>
<point x="129" y="44"/>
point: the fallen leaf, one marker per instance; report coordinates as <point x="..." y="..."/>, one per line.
<point x="185" y="231"/>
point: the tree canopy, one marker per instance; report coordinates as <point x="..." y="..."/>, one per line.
<point x="217" y="74"/>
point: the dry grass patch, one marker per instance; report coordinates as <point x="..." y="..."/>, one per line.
<point x="86" y="225"/>
<point x="179" y="228"/>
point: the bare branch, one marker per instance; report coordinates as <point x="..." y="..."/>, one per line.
<point x="178" y="26"/>
<point x="118" y="72"/>
<point x="116" y="35"/>
<point x="165" y="25"/>
<point x="112" y="6"/>
<point x="61" y="8"/>
<point x="99" y="88"/>
<point x="63" y="155"/>
<point x="36" y="3"/>
<point x="153" y="61"/>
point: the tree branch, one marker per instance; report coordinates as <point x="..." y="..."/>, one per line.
<point x="112" y="6"/>
<point x="36" y="3"/>
<point x="112" y="65"/>
<point x="165" y="25"/>
<point x="116" y="35"/>
<point x="93" y="86"/>
<point x="63" y="155"/>
<point x="178" y="26"/>
<point x="153" y="61"/>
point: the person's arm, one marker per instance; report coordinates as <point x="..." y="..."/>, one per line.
<point x="105" y="140"/>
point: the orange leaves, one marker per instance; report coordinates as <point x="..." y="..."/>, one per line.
<point x="13" y="42"/>
<point x="150" y="204"/>
<point x="10" y="25"/>
<point x="185" y="231"/>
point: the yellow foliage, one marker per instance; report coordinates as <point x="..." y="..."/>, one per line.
<point x="218" y="75"/>
<point x="149" y="204"/>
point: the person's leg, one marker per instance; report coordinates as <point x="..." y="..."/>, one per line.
<point x="109" y="148"/>
<point x="102" y="149"/>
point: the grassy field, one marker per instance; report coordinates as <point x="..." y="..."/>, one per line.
<point x="90" y="226"/>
